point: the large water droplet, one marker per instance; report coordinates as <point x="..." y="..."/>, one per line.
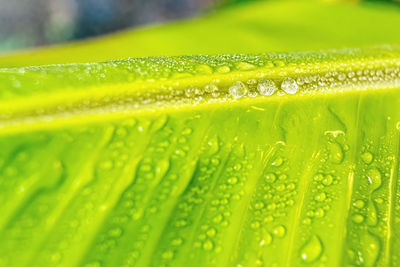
<point x="266" y="87"/>
<point x="374" y="178"/>
<point x="335" y="153"/>
<point x="312" y="250"/>
<point x="237" y="90"/>
<point x="289" y="85"/>
<point x="370" y="249"/>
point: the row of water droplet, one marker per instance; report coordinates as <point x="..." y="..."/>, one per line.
<point x="214" y="91"/>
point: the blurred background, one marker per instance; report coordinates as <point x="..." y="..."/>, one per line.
<point x="28" y="23"/>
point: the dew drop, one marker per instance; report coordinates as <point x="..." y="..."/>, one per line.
<point x="358" y="218"/>
<point x="289" y="85"/>
<point x="266" y="240"/>
<point x="208" y="245"/>
<point x="359" y="204"/>
<point x="245" y="66"/>
<point x="211" y="89"/>
<point x="177" y="242"/>
<point x="211" y="232"/>
<point x="328" y="179"/>
<point x="279" y="231"/>
<point x="167" y="255"/>
<point x="312" y="249"/>
<point x="367" y="157"/>
<point x="237" y="90"/>
<point x="224" y="69"/>
<point x="270" y="177"/>
<point x="232" y="180"/>
<point x="277" y="162"/>
<point x="320" y="197"/>
<point x="374" y="178"/>
<point x="372" y="218"/>
<point x="266" y="87"/>
<point x="370" y="249"/>
<point x="259" y="205"/>
<point x="335" y="153"/>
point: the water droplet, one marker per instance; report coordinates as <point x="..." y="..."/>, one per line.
<point x="372" y="218"/>
<point x="212" y="89"/>
<point x="335" y="153"/>
<point x="270" y="177"/>
<point x="277" y="162"/>
<point x="328" y="179"/>
<point x="245" y="66"/>
<point x="320" y="197"/>
<point x="266" y="240"/>
<point x="204" y="69"/>
<point x="224" y="69"/>
<point x="279" y="231"/>
<point x="289" y="85"/>
<point x="232" y="180"/>
<point x="211" y="232"/>
<point x="318" y="177"/>
<point x="115" y="232"/>
<point x="370" y="249"/>
<point x="359" y="204"/>
<point x="177" y="242"/>
<point x="374" y="178"/>
<point x="266" y="87"/>
<point x="167" y="255"/>
<point x="213" y="144"/>
<point x="208" y="245"/>
<point x="358" y="218"/>
<point x="367" y="157"/>
<point x="312" y="250"/>
<point x="237" y="90"/>
<point x="319" y="213"/>
<point x="259" y="205"/>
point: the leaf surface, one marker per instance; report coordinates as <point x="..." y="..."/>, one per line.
<point x="192" y="161"/>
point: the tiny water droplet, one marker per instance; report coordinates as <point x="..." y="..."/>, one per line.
<point x="312" y="249"/>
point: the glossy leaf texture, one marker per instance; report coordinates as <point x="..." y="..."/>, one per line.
<point x="282" y="159"/>
<point x="251" y="27"/>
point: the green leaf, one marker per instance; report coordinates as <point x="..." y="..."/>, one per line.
<point x="258" y="27"/>
<point x="277" y="159"/>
